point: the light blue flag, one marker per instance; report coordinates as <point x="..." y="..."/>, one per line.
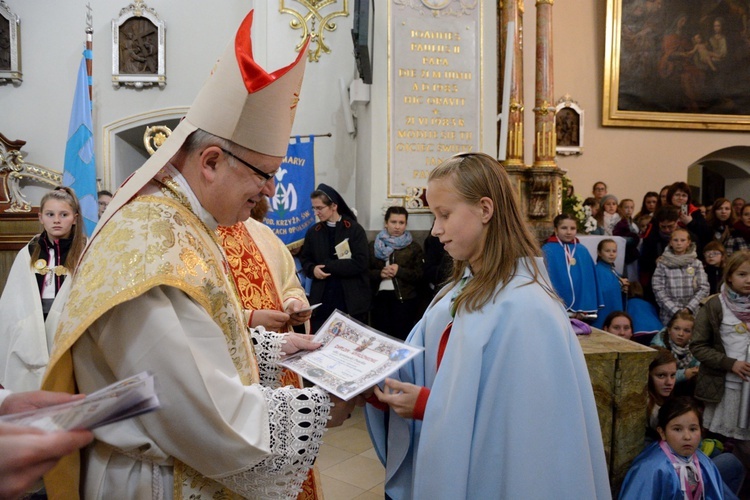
<point x="290" y="212"/>
<point x="79" y="170"/>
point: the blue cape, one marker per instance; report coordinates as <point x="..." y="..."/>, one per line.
<point x="576" y="285"/>
<point x="511" y="412"/>
<point x="611" y="292"/>
<point x="652" y="476"/>
<point x="645" y="316"/>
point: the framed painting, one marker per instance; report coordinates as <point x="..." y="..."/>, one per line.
<point x="677" y="64"/>
<point x="138" y="48"/>
<point x="10" y="46"/>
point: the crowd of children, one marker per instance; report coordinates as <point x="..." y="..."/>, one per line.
<point x="688" y="297"/>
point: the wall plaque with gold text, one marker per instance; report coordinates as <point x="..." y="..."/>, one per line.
<point x="435" y="87"/>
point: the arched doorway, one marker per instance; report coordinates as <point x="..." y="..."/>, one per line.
<point x="723" y="173"/>
<point x="124" y="151"/>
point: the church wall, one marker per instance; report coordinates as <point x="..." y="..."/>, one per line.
<point x="632" y="161"/>
<point x="52" y="40"/>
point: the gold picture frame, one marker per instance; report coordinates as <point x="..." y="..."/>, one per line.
<point x="676" y="64"/>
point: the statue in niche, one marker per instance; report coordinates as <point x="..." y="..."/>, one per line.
<point x="567" y="126"/>
<point x="138" y="47"/>
<point x="4" y="44"/>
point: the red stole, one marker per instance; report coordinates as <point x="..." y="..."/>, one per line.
<point x="258" y="291"/>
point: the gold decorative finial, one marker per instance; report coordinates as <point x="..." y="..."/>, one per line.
<point x="314" y="17"/>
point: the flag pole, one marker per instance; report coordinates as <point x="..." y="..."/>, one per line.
<point x="89" y="50"/>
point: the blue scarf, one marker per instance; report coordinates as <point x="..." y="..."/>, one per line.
<point x="385" y="244"/>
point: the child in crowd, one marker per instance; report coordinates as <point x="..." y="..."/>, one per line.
<point x="676" y="337"/>
<point x="643" y="221"/>
<point x="628" y="229"/>
<point x="674" y="467"/>
<point x="607" y="217"/>
<point x="662" y="374"/>
<point x="663" y="197"/>
<point x="679" y="282"/>
<point x="721" y="219"/>
<point x="649" y="204"/>
<point x="646" y="322"/>
<point x="619" y="323"/>
<point x="740" y="236"/>
<point x="714" y="255"/>
<point x="572" y="270"/>
<point x="613" y="286"/>
<point x="35" y="279"/>
<point x="720" y="343"/>
<point x="395" y="273"/>
<point x="591" y="209"/>
<point x="497" y="317"/>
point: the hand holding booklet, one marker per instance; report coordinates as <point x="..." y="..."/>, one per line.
<point x="353" y="357"/>
<point x="124" y="399"/>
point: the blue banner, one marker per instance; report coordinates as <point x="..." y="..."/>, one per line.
<point x="290" y="212"/>
<point x="79" y="171"/>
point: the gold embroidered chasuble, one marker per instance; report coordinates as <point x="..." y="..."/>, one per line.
<point x="151" y="241"/>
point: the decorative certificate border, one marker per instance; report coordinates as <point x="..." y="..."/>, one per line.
<point x="353" y="357"/>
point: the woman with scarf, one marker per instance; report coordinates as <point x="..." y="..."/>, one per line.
<point x="395" y="271"/>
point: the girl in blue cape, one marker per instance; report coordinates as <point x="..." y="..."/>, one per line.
<point x="674" y="468"/>
<point x="571" y="269"/>
<point x="612" y="285"/>
<point x="471" y="416"/>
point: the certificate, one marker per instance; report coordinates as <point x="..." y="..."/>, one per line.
<point x="124" y="399"/>
<point x="353" y="357"/>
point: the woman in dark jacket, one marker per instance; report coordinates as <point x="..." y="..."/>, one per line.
<point x="396" y="263"/>
<point x="691" y="217"/>
<point x="335" y="257"/>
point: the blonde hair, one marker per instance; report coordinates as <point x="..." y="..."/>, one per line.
<point x="474" y="176"/>
<point x="66" y="195"/>
<point x="734" y="262"/>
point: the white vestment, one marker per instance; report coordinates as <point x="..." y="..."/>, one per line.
<point x="24" y="344"/>
<point x="255" y="441"/>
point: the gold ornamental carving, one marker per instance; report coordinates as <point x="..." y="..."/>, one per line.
<point x="314" y="23"/>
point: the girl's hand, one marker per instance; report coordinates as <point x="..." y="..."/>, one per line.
<point x="742" y="369"/>
<point x="691" y="372"/>
<point x="341" y="411"/>
<point x="401" y="396"/>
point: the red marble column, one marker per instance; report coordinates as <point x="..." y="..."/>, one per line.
<point x="512" y="11"/>
<point x="544" y="108"/>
